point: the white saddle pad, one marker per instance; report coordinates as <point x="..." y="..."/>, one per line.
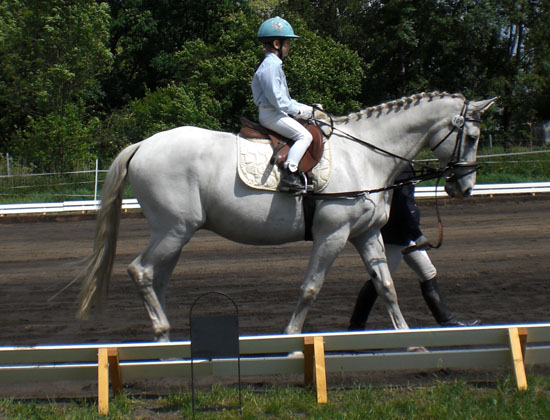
<point x="255" y="170"/>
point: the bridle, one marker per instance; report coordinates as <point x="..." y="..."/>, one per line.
<point x="458" y="122"/>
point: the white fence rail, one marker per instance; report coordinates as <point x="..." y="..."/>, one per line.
<point x="485" y="347"/>
<point x="530" y="188"/>
<point x="61" y="207"/>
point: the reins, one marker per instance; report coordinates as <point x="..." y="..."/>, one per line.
<point x="428" y="245"/>
<point x="457" y="122"/>
<point x="429" y="174"/>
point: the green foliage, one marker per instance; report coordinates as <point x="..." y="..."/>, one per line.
<point x="111" y="63"/>
<point x="321" y="70"/>
<point x="223" y="69"/>
<point x="56" y="142"/>
<point x="481" y="49"/>
<point x="52" y="55"/>
<point x="506" y="167"/>
<point x="143" y="30"/>
<point x="164" y="109"/>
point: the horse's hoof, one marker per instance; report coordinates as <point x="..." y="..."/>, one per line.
<point x="418" y="349"/>
<point x="162" y="338"/>
<point x="459" y="323"/>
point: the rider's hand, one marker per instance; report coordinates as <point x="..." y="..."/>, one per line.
<point x="305" y="112"/>
<point x="422" y="242"/>
<point x="318" y="111"/>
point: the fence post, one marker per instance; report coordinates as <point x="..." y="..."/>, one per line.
<point x="96" y="171"/>
<point x="108" y="367"/>
<point x="517" y="339"/>
<point x="114" y="370"/>
<point x="8" y="163"/>
<point x="314" y="366"/>
<point x="103" y="381"/>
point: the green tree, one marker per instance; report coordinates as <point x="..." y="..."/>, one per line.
<point x="53" y="52"/>
<point x="319" y="70"/>
<point x="223" y="68"/>
<point x="409" y="46"/>
<point x="484" y="48"/>
<point x="322" y="70"/>
<point x="143" y="30"/>
<point x="166" y="108"/>
<point x="524" y="82"/>
<point x="538" y="44"/>
<point x="81" y="78"/>
<point x="57" y="142"/>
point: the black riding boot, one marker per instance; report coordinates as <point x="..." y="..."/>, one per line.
<point x="291" y="181"/>
<point x="363" y="305"/>
<point x="439" y="309"/>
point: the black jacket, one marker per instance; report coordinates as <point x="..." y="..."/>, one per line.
<point x="403" y="224"/>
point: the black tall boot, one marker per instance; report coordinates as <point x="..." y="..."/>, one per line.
<point x="439" y="309"/>
<point x="363" y="305"/>
<point x="291" y="181"/>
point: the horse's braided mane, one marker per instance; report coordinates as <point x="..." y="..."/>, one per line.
<point x="398" y="104"/>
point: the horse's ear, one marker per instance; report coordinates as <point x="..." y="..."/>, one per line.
<point x="482" y="106"/>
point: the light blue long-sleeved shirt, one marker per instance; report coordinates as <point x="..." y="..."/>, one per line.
<point x="270" y="90"/>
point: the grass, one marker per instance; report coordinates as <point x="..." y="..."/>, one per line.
<point x="507" y="166"/>
<point x="449" y="400"/>
<point x="499" y="165"/>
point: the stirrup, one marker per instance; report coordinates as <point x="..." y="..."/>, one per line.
<point x="295" y="188"/>
<point x="306" y="186"/>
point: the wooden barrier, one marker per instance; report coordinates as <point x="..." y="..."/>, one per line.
<point x="513" y="346"/>
<point x="314" y="366"/>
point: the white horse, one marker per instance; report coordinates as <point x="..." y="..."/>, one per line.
<point x="186" y="179"/>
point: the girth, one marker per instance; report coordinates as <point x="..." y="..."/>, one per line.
<point x="281" y="145"/>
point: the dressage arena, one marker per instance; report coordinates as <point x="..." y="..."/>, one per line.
<point x="494" y="265"/>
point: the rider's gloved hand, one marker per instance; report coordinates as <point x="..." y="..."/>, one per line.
<point x="318" y="111"/>
<point x="422" y="242"/>
<point x="305" y="112"/>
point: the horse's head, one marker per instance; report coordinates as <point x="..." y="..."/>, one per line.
<point x="455" y="142"/>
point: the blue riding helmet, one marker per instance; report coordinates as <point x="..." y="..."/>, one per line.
<point x="276" y="28"/>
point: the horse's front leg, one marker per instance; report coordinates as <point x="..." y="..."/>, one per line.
<point x="323" y="254"/>
<point x="372" y="251"/>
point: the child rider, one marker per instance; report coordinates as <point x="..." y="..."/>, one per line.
<point x="275" y="106"/>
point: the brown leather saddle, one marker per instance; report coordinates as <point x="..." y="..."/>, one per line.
<point x="281" y="145"/>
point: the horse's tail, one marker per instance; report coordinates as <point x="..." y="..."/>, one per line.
<point x="98" y="266"/>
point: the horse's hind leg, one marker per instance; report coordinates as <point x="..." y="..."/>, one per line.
<point x="151" y="273"/>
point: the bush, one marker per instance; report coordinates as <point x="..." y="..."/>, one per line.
<point x="56" y="142"/>
<point x="164" y="109"/>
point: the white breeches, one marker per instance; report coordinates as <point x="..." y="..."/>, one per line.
<point x="292" y="129"/>
<point x="418" y="261"/>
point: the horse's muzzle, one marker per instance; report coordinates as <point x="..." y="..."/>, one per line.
<point x="454" y="190"/>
